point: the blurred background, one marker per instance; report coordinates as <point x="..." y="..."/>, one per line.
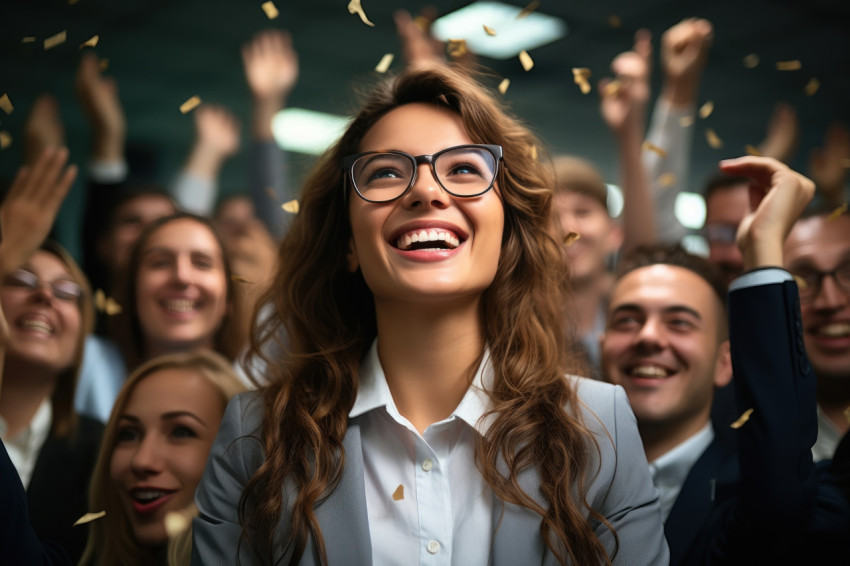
<point x="161" y="52"/>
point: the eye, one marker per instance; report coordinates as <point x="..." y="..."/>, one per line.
<point x="183" y="431"/>
<point x="127" y="434"/>
<point x="625" y="322"/>
<point x="681" y="324"/>
<point x="203" y="262"/>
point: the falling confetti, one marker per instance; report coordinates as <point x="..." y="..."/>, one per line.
<point x="105" y="304"/>
<point x="706" y="109"/>
<point x="456" y="48"/>
<point x="613" y="88"/>
<point x="89" y="517"/>
<point x="5" y="139"/>
<point x="239" y="279"/>
<point x="532" y="151"/>
<point x="686" y="121"/>
<point x="384" y="63"/>
<point x="55" y="40"/>
<point x="652" y="147"/>
<point x="525" y="59"/>
<point x="176" y="522"/>
<point x="752" y="150"/>
<point x="290" y="206"/>
<point x="190" y="104"/>
<point x="398" y="494"/>
<point x="614" y="21"/>
<point x="713" y="140"/>
<point x="801" y="284"/>
<point x="91" y="42"/>
<point x="751" y="61"/>
<point x="28" y="39"/>
<point x="104" y="64"/>
<point x="837" y="212"/>
<point x="742" y="419"/>
<point x="528" y="10"/>
<point x="489" y="31"/>
<point x="270" y="9"/>
<point x="423" y="23"/>
<point x="503" y="86"/>
<point x="571" y="238"/>
<point x="667" y="180"/>
<point x="793" y="65"/>
<point x="354" y="7"/>
<point x="811" y="87"/>
<point x="580" y="76"/>
<point x="6" y="104"/>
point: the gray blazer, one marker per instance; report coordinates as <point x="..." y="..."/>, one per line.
<point x="621" y="491"/>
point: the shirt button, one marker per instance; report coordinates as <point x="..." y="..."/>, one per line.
<point x="433" y="547"/>
<point x="427" y="464"/>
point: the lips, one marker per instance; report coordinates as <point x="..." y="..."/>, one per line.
<point x="428" y="235"/>
<point x="648" y="371"/>
<point x="149" y="500"/>
<point x="36" y="323"/>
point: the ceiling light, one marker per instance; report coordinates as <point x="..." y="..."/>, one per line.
<point x="307" y="131"/>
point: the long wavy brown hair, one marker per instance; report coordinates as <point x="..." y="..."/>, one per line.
<point x="327" y="315"/>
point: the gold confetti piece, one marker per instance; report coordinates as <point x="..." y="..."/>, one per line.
<point x="89" y="517"/>
<point x="837" y="212"/>
<point x="503" y="86"/>
<point x="667" y="179"/>
<point x="751" y="61"/>
<point x="6" y="104"/>
<point x="5" y="139"/>
<point x="528" y="10"/>
<point x="270" y="9"/>
<point x="489" y="31"/>
<point x="398" y="494"/>
<point x="525" y="59"/>
<point x="752" y="150"/>
<point x="846" y="414"/>
<point x="104" y="64"/>
<point x="532" y="152"/>
<point x="686" y="121"/>
<point x="384" y="64"/>
<point x="190" y="104"/>
<point x="456" y="48"/>
<point x="706" y="109"/>
<point x="652" y="147"/>
<point x="175" y="521"/>
<point x="72" y="2"/>
<point x="28" y="39"/>
<point x="239" y="279"/>
<point x="354" y="7"/>
<point x="712" y="139"/>
<point x="742" y="419"/>
<point x="614" y="21"/>
<point x="55" y="40"/>
<point x="105" y="304"/>
<point x="423" y="23"/>
<point x="613" y="88"/>
<point x="801" y="284"/>
<point x="793" y="65"/>
<point x="581" y="72"/>
<point x="91" y="42"/>
<point x="811" y="87"/>
<point x="571" y="238"/>
<point x="290" y="206"/>
<point x="580" y="76"/>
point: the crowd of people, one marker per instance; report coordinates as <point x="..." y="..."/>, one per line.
<point x="452" y="354"/>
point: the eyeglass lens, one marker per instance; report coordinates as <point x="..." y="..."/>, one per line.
<point x="464" y="171"/>
<point x="813" y="280"/>
<point x="63" y="289"/>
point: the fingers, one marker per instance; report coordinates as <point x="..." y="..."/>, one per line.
<point x="643" y="43"/>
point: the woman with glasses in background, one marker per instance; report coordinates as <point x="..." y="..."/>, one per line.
<point x="422" y="408"/>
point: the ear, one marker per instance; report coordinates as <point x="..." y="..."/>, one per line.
<point x="723" y="365"/>
<point x="351" y="256"/>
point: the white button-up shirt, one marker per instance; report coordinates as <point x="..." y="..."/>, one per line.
<point x="24" y="447"/>
<point x="426" y="501"/>
<point x="669" y="471"/>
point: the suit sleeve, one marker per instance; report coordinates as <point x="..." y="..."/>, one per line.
<point x="782" y="500"/>
<point x="18" y="542"/>
<point x="631" y="503"/>
<point x="233" y="460"/>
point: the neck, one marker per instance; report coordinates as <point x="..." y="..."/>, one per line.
<point x="659" y="438"/>
<point x="588" y="294"/>
<point x="25" y="387"/>
<point x="156" y="349"/>
<point x="428" y="355"/>
<point x="833" y="394"/>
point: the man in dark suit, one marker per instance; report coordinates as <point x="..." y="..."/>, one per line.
<point x="757" y="498"/>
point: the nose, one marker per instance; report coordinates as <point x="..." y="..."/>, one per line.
<point x="426" y="191"/>
<point x="830" y="296"/>
<point x="146" y="460"/>
<point x="183" y="271"/>
<point x="43" y="293"/>
<point x="651" y="336"/>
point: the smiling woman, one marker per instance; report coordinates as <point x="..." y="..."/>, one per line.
<point x="153" y="453"/>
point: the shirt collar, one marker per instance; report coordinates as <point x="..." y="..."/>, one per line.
<point x="373" y="392"/>
<point x="34" y="434"/>
<point x="672" y="468"/>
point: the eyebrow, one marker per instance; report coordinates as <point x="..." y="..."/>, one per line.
<point x="166" y="416"/>
<point x="674" y="309"/>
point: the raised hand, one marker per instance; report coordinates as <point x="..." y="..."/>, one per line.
<point x="98" y="97"/>
<point x="217" y="130"/>
<point x="271" y="65"/>
<point x="778" y="195"/>
<point x="624" y="100"/>
<point x="828" y="164"/>
<point x="783" y="133"/>
<point x="43" y="128"/>
<point x="418" y="47"/>
<point x="684" y="53"/>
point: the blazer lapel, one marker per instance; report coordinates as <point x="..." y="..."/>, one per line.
<point x="516" y="529"/>
<point x="343" y="516"/>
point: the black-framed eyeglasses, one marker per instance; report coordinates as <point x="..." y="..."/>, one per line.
<point x="63" y="289"/>
<point x="810" y="280"/>
<point x="462" y="171"/>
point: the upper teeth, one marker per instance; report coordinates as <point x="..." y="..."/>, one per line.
<point x="404" y="241"/>
<point x="37" y="324"/>
<point x="180" y="305"/>
<point x="649" y="371"/>
<point x="149" y="494"/>
<point x="835" y="329"/>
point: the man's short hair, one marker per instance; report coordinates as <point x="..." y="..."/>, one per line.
<point x="576" y="175"/>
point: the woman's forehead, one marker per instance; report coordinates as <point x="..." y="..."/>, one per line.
<point x="416" y="128"/>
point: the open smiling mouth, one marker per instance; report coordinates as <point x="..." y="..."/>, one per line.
<point x="834" y="330"/>
<point x="431" y="239"/>
<point x="647" y="371"/>
<point x="149" y="500"/>
<point x="180" y="305"/>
